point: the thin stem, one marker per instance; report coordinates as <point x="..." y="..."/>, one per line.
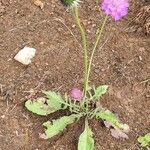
<point x="92" y="55"/>
<point x="84" y="42"/>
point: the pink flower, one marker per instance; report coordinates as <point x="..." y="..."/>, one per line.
<point x="76" y="94"/>
<point x="116" y="8"/>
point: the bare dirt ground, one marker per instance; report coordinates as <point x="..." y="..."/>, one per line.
<point x="123" y="64"/>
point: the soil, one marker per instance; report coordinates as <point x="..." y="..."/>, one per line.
<point x="123" y="64"/>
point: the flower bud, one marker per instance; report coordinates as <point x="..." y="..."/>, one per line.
<point x="76" y="94"/>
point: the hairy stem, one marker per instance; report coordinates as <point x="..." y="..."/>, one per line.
<point x="92" y="55"/>
<point x="84" y="42"/>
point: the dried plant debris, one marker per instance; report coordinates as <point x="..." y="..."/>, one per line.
<point x="39" y="3"/>
<point x="141" y="22"/>
<point x="116" y="132"/>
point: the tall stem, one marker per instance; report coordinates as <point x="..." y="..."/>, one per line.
<point x="84" y="42"/>
<point x="92" y="55"/>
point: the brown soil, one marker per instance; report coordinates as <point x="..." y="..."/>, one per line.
<point x="123" y="64"/>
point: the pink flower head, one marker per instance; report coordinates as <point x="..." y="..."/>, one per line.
<point x="116" y="8"/>
<point x="76" y="94"/>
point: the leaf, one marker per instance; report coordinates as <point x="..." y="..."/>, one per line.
<point x="56" y="126"/>
<point x="144" y="140"/>
<point x="70" y="3"/>
<point x="54" y="100"/>
<point x="117" y="133"/>
<point x="99" y="91"/>
<point x="112" y="118"/>
<point x="39" y="107"/>
<point x="86" y="141"/>
<point x="43" y="107"/>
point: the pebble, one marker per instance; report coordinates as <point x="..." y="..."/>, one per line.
<point x="25" y="55"/>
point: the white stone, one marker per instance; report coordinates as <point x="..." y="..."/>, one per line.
<point x="25" y="55"/>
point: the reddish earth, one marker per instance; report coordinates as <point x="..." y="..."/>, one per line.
<point x="123" y="64"/>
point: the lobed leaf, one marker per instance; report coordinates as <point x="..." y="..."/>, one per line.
<point x="39" y="107"/>
<point x="112" y="118"/>
<point x="86" y="141"/>
<point x="144" y="140"/>
<point x="99" y="91"/>
<point x="56" y="126"/>
<point x="54" y="99"/>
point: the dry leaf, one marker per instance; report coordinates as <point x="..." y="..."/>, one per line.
<point x="39" y="3"/>
<point x="108" y="124"/>
<point x="117" y="133"/>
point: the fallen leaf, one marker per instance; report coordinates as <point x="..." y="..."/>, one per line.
<point x="39" y="3"/>
<point x="117" y="133"/>
<point x="108" y="124"/>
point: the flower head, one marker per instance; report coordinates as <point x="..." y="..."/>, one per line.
<point x="70" y="3"/>
<point x="76" y="94"/>
<point x="116" y="8"/>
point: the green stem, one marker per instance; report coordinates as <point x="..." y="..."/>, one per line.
<point x="84" y="42"/>
<point x="92" y="55"/>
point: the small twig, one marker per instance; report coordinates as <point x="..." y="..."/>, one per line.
<point x="61" y="20"/>
<point x="41" y="82"/>
<point x="133" y="147"/>
<point x="13" y="108"/>
<point x="26" y="117"/>
<point x="145" y="81"/>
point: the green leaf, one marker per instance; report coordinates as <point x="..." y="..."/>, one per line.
<point x="86" y="141"/>
<point x="99" y="91"/>
<point x="56" y="126"/>
<point x="111" y="117"/>
<point x="144" y="140"/>
<point x="54" y="100"/>
<point x="39" y="107"/>
<point x="70" y="2"/>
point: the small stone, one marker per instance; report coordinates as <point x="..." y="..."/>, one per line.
<point x="88" y="31"/>
<point x="97" y="71"/>
<point x="3" y="116"/>
<point x="25" y="55"/>
<point x="41" y="43"/>
<point x="93" y="25"/>
<point x="73" y="26"/>
<point x="140" y="58"/>
<point x="147" y="95"/>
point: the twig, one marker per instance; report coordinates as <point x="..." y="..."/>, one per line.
<point x="61" y="20"/>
